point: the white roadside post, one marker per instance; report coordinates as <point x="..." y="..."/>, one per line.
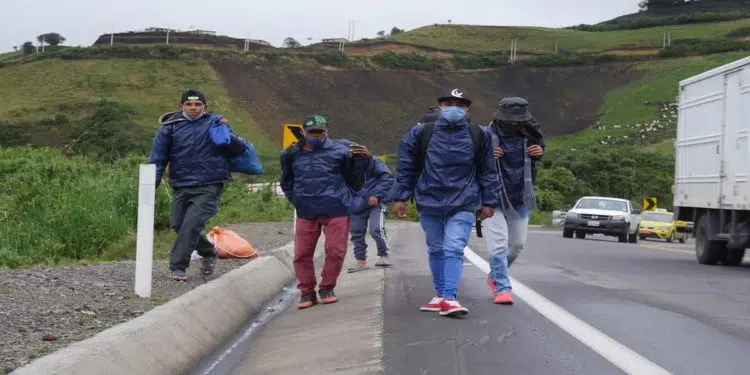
<point x="144" y="253"/>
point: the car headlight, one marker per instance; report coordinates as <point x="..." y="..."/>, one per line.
<point x="618" y="217"/>
<point x="571" y="215"/>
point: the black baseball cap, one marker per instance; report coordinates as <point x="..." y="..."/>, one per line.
<point x="455" y="93"/>
<point x="193" y="95"/>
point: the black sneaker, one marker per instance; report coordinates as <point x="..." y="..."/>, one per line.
<point x="327" y="296"/>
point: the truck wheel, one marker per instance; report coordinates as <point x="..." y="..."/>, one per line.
<point x="581" y="235"/>
<point x="671" y="237"/>
<point x="707" y="252"/>
<point x="733" y="257"/>
<point x="623" y="237"/>
<point x="633" y="237"/>
<point x="567" y="233"/>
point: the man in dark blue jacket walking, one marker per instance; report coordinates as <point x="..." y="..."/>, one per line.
<point x="198" y="170"/>
<point x="452" y="176"/>
<point x="314" y="179"/>
<point x="378" y="184"/>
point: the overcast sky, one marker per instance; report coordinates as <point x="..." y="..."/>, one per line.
<point x="82" y="21"/>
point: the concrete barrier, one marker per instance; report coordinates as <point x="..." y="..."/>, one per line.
<point x="172" y="338"/>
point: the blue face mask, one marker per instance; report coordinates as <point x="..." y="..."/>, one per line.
<point x="454" y="114"/>
<point x="315" y="143"/>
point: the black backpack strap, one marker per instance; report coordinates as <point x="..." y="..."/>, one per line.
<point x="424" y="140"/>
<point x="477" y="138"/>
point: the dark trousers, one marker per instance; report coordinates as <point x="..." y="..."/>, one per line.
<point x="192" y="206"/>
<point x="376" y="217"/>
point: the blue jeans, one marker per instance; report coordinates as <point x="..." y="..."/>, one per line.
<point x="446" y="239"/>
<point x="376" y="217"/>
<point x="505" y="239"/>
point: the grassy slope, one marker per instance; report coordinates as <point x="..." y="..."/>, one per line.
<point x="628" y="104"/>
<point x="470" y="38"/>
<point x="34" y="90"/>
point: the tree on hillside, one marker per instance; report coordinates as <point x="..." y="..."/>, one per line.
<point x="381" y="34"/>
<point x="663" y="4"/>
<point x="28" y="47"/>
<point x="290" y="42"/>
<point x="395" y="31"/>
<point x="51" y="39"/>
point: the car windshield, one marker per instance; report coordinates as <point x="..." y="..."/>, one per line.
<point x="603" y="204"/>
<point x="657" y="216"/>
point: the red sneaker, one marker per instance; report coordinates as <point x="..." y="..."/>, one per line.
<point x="503" y="298"/>
<point x="491" y="284"/>
<point x="452" y="308"/>
<point x="433" y="305"/>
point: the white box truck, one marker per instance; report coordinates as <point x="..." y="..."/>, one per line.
<point x="712" y="161"/>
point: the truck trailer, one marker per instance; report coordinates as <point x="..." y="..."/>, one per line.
<point x="712" y="161"/>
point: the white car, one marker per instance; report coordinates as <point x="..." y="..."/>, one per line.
<point x="604" y="215"/>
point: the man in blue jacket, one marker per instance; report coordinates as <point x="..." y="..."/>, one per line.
<point x="198" y="170"/>
<point x="378" y="184"/>
<point x="452" y="176"/>
<point x="315" y="179"/>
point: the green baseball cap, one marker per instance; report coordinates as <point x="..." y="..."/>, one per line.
<point x="315" y="122"/>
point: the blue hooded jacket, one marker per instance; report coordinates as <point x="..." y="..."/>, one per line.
<point x="187" y="147"/>
<point x="316" y="187"/>
<point x="379" y="182"/>
<point x="449" y="182"/>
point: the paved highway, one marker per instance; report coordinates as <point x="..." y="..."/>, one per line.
<point x="592" y="306"/>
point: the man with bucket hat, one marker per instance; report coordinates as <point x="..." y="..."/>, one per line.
<point x="517" y="144"/>
<point x="448" y="167"/>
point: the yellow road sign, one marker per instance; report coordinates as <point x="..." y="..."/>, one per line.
<point x="290" y="133"/>
<point x="649" y="204"/>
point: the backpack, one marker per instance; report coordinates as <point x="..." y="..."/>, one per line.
<point x="476" y="138"/>
<point x="352" y="178"/>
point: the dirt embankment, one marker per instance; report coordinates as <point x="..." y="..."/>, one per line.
<point x="377" y="107"/>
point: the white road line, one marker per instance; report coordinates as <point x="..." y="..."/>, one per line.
<point x="620" y="355"/>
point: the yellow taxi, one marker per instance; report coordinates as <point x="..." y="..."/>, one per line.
<point x="660" y="224"/>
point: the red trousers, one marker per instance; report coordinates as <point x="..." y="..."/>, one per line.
<point x="336" y="231"/>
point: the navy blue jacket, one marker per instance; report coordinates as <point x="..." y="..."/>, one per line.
<point x="317" y="188"/>
<point x="450" y="182"/>
<point x="186" y="146"/>
<point x="379" y="183"/>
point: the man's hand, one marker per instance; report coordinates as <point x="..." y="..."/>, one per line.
<point x="223" y="121"/>
<point x="357" y="149"/>
<point x="373" y="201"/>
<point x="399" y="208"/>
<point x="498" y="152"/>
<point x="535" y="151"/>
<point x="486" y="212"/>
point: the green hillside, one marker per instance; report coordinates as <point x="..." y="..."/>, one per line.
<point x="541" y="40"/>
<point x="46" y="100"/>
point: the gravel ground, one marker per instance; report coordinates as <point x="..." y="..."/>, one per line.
<point x="45" y="309"/>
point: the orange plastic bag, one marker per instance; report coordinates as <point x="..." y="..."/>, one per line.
<point x="230" y="245"/>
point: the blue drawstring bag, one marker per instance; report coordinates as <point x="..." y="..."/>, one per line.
<point x="247" y="162"/>
<point x="220" y="134"/>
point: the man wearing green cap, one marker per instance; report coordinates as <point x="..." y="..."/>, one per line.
<point x="198" y="170"/>
<point x="315" y="178"/>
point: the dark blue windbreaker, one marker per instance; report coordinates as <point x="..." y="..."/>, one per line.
<point x="186" y="146"/>
<point x="317" y="188"/>
<point x="450" y="182"/>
